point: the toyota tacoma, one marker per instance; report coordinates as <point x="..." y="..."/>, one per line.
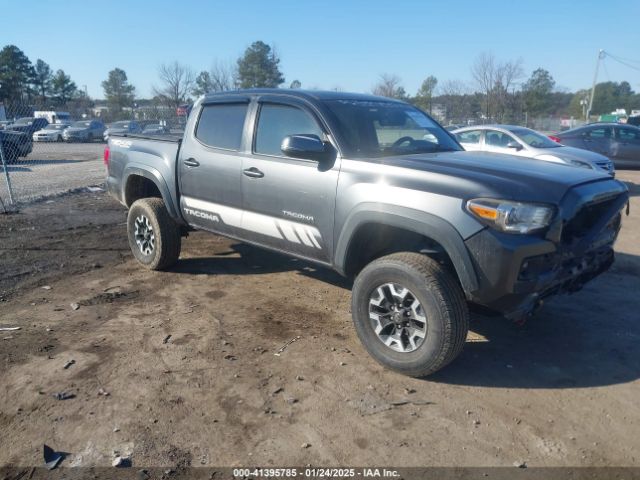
<point x="377" y="190"/>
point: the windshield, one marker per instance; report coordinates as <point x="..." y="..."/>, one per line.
<point x="534" y="139"/>
<point x="120" y="125"/>
<point x="57" y="126"/>
<point x="378" y="128"/>
<point x="24" y="121"/>
<point x="81" y="124"/>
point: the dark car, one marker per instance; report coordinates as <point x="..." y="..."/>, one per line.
<point x="126" y="126"/>
<point x="28" y="125"/>
<point x="634" y="120"/>
<point x="14" y="145"/>
<point x="619" y="142"/>
<point x="84" y="131"/>
<point x="156" y="129"/>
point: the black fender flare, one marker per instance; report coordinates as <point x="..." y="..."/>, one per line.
<point x="416" y="221"/>
<point x="155" y="176"/>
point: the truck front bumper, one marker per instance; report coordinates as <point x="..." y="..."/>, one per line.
<point x="517" y="272"/>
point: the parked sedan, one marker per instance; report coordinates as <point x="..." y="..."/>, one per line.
<point x="84" y="131"/>
<point x="51" y="133"/>
<point x="619" y="142"/>
<point x="128" y="126"/>
<point x="524" y="142"/>
<point x="14" y="145"/>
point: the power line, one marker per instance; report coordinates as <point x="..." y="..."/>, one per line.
<point x="633" y="67"/>
<point x="623" y="58"/>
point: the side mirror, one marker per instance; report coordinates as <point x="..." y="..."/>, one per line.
<point x="303" y="146"/>
<point x="515" y="145"/>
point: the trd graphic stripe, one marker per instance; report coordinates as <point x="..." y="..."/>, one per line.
<point x="302" y="234"/>
<point x="313" y="237"/>
<point x="288" y="232"/>
<point x="264" y="224"/>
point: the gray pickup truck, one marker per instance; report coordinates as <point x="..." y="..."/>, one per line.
<point x="378" y="191"/>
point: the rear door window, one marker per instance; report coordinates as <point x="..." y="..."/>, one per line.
<point x="628" y="134"/>
<point x="221" y="125"/>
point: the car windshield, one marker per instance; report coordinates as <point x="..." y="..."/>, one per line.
<point x="57" y="126"/>
<point x="534" y="139"/>
<point x="81" y="124"/>
<point x="120" y="125"/>
<point x="24" y="121"/>
<point x="377" y="128"/>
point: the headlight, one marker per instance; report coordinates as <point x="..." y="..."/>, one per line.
<point x="509" y="216"/>
<point x="566" y="161"/>
<point x="578" y="163"/>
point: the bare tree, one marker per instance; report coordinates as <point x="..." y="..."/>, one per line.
<point x="224" y="76"/>
<point x="484" y="72"/>
<point x="454" y="95"/>
<point x="495" y="80"/>
<point x="389" y="86"/>
<point x="177" y="82"/>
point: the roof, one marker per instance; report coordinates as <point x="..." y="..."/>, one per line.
<point x="306" y="94"/>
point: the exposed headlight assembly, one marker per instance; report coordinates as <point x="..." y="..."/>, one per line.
<point x="510" y="216"/>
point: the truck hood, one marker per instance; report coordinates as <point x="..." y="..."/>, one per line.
<point x="484" y="174"/>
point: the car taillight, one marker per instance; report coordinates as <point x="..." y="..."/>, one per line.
<point x="107" y="152"/>
<point x="554" y="138"/>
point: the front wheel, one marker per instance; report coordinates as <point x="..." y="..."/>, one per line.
<point x="410" y="313"/>
<point x="154" y="237"/>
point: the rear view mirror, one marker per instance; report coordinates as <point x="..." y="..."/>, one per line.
<point x="514" y="145"/>
<point x="303" y="146"/>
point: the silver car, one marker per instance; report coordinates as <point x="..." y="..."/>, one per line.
<point x="524" y="142"/>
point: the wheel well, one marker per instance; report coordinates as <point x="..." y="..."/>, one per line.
<point x="140" y="187"/>
<point x="374" y="240"/>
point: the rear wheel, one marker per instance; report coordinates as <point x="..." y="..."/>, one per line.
<point x="154" y="237"/>
<point x="410" y="313"/>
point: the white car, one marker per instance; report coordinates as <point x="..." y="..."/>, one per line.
<point x="524" y="142"/>
<point x="51" y="133"/>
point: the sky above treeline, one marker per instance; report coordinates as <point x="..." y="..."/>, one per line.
<point x="329" y="44"/>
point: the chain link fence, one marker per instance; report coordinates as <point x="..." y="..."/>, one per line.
<point x="49" y="152"/>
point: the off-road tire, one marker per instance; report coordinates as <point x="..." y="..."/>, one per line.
<point x="443" y="303"/>
<point x="166" y="232"/>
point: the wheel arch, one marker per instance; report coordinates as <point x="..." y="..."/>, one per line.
<point x="406" y="222"/>
<point x="142" y="181"/>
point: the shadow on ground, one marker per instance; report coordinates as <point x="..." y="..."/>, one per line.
<point x="575" y="341"/>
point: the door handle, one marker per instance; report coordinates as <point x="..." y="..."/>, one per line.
<point x="253" y="172"/>
<point x="191" y="162"/>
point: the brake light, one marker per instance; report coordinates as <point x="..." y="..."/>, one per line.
<point x="107" y="152"/>
<point x="554" y="138"/>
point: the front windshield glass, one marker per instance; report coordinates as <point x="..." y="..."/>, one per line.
<point x="24" y="121"/>
<point x="377" y="128"/>
<point x="57" y="126"/>
<point x="534" y="139"/>
<point x="120" y="125"/>
<point x="81" y="124"/>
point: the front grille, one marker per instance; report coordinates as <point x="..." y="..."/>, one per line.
<point x="586" y="218"/>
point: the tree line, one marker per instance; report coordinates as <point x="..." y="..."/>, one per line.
<point x="498" y="90"/>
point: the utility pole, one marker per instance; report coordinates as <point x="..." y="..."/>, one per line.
<point x="601" y="55"/>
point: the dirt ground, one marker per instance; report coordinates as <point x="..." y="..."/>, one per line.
<point x="180" y="368"/>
